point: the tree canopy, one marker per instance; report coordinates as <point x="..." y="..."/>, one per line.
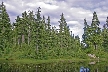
<point x="33" y="36"/>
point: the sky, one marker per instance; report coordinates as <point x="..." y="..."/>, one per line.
<point x="75" y="11"/>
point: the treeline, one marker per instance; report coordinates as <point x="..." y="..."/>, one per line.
<point x="32" y="36"/>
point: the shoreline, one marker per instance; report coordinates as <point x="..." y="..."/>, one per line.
<point x="33" y="61"/>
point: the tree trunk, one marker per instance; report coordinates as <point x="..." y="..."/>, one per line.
<point x="28" y="39"/>
<point x="37" y="49"/>
<point x="96" y="70"/>
<point x="23" y="39"/>
<point x="15" y="40"/>
<point x="29" y="36"/>
<point x="18" y="41"/>
<point x="95" y="46"/>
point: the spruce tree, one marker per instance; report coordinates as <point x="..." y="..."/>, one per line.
<point x="105" y="35"/>
<point x="30" y="21"/>
<point x="17" y="30"/>
<point x="66" y="36"/>
<point x="54" y="37"/>
<point x="92" y="34"/>
<point x="48" y="31"/>
<point x="21" y="29"/>
<point x="86" y="35"/>
<point x="37" y="25"/>
<point x="96" y="38"/>
<point x="5" y="27"/>
<point x="61" y="30"/>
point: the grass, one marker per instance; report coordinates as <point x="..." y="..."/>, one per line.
<point x="33" y="61"/>
<point x="43" y="61"/>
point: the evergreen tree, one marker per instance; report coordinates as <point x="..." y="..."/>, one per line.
<point x="96" y="38"/>
<point x="61" y="31"/>
<point x="32" y="36"/>
<point x="17" y="30"/>
<point x="92" y="34"/>
<point x="37" y="31"/>
<point x="21" y="29"/>
<point x="30" y="21"/>
<point x="54" y="37"/>
<point x="48" y="31"/>
<point x="5" y="27"/>
<point x="24" y="27"/>
<point x="105" y="35"/>
<point x="72" y="41"/>
<point x="67" y="36"/>
<point x="86" y="35"/>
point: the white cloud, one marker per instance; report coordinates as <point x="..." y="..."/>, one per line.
<point x="76" y="27"/>
<point x="73" y="22"/>
<point x="42" y="5"/>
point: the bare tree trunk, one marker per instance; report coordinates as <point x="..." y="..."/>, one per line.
<point x="37" y="49"/>
<point x="95" y="46"/>
<point x="19" y="39"/>
<point x="96" y="70"/>
<point x="23" y="39"/>
<point x="29" y="36"/>
<point x="15" y="40"/>
<point x="28" y="39"/>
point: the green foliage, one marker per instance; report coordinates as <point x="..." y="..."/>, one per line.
<point x="105" y="36"/>
<point x="5" y="27"/>
<point x="96" y="38"/>
<point x="32" y="36"/>
<point x="92" y="36"/>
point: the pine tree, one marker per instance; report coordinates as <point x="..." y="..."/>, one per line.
<point x="61" y="30"/>
<point x="5" y="27"/>
<point x="21" y="29"/>
<point x="92" y="34"/>
<point x="86" y="35"/>
<point x="64" y="33"/>
<point x="105" y="35"/>
<point x="24" y="27"/>
<point x="96" y="38"/>
<point x="37" y="25"/>
<point x="48" y="31"/>
<point x="54" y="37"/>
<point x="77" y="43"/>
<point x="72" y="41"/>
<point x="17" y="30"/>
<point x="66" y="36"/>
<point x="30" y="20"/>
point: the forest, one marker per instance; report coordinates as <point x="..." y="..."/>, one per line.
<point x="32" y="36"/>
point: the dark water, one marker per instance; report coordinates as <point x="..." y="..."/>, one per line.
<point x="63" y="66"/>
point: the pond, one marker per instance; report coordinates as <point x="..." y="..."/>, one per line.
<point x="62" y="66"/>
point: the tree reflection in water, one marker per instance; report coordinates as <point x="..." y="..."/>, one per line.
<point x="63" y="66"/>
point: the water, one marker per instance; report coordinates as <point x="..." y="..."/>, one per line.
<point x="63" y="66"/>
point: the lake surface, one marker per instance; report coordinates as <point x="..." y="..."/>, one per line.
<point x="62" y="66"/>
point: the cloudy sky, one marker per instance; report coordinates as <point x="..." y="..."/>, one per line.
<point x="74" y="11"/>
